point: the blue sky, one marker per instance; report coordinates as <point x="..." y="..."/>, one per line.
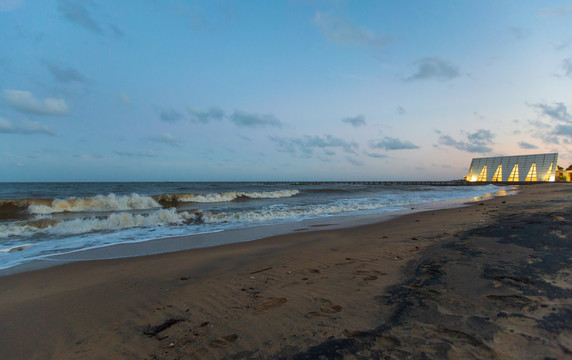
<point x="174" y="90"/>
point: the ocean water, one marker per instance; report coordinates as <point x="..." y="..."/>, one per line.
<point x="38" y="220"/>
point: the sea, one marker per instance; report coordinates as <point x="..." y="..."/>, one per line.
<point x="40" y="220"/>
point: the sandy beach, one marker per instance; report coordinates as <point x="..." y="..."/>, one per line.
<point x="490" y="281"/>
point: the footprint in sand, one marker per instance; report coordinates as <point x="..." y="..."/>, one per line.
<point x="268" y="304"/>
<point x="224" y="341"/>
<point x="370" y="278"/>
<point x="327" y="307"/>
<point x="322" y="301"/>
<point x="312" y="314"/>
<point x="331" y="309"/>
<point x="369" y="275"/>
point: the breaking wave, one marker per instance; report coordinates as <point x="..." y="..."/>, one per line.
<point x="224" y="196"/>
<point x="279" y="213"/>
<point x="113" y="222"/>
<point x="110" y="202"/>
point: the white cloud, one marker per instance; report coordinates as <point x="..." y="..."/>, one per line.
<point x="135" y="154"/>
<point x="355" y="121"/>
<point x="170" y="115"/>
<point x="213" y="114"/>
<point x="389" y="143"/>
<point x="478" y="142"/>
<point x="25" y="101"/>
<point x="344" y="32"/>
<point x="525" y="145"/>
<point x="241" y="118"/>
<point x="434" y="68"/>
<point x="24" y="128"/>
<point x="168" y="139"/>
<point x="558" y="111"/>
<point x="304" y="146"/>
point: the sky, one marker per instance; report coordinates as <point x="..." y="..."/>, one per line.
<point x="175" y="90"/>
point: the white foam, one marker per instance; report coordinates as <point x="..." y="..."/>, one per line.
<point x="232" y="195"/>
<point x="18" y="229"/>
<point x="113" y="222"/>
<point x="110" y="202"/>
<point x="15" y="248"/>
<point x="278" y="213"/>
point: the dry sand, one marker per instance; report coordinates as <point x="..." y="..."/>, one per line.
<point x="492" y="280"/>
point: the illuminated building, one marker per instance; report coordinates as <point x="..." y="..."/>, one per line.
<point x="519" y="168"/>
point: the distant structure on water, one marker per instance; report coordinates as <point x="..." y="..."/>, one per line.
<point x="509" y="169"/>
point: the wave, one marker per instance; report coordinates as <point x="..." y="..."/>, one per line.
<point x="15" y="248"/>
<point x="110" y="202"/>
<point x="18" y="208"/>
<point x="113" y="222"/>
<point x="279" y="213"/>
<point x="224" y="196"/>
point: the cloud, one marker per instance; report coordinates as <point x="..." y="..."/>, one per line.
<point x="376" y="156"/>
<point x="563" y="10"/>
<point x="9" y="5"/>
<point x="80" y="12"/>
<point x="167" y="139"/>
<point x="355" y="121"/>
<point x="558" y="111"/>
<point x="65" y="75"/>
<point x="213" y="114"/>
<point x="478" y="142"/>
<point x="519" y="33"/>
<point x="25" y="128"/>
<point x="480" y="136"/>
<point x="135" y="154"/>
<point x="26" y="102"/>
<point x="241" y="118"/>
<point x="434" y="68"/>
<point x="563" y="130"/>
<point x="525" y="145"/>
<point x="354" y="161"/>
<point x="170" y="115"/>
<point x="567" y="67"/>
<point x="563" y="45"/>
<point x="344" y="32"/>
<point x="389" y="143"/>
<point x="304" y="146"/>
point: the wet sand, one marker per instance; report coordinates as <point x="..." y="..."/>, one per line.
<point x="491" y="280"/>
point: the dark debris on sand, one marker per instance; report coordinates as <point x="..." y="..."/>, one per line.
<point x="498" y="290"/>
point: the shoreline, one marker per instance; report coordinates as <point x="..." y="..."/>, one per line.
<point x="156" y="246"/>
<point x="487" y="280"/>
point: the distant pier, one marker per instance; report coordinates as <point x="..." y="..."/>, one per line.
<point x="426" y="183"/>
<point x="432" y="183"/>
